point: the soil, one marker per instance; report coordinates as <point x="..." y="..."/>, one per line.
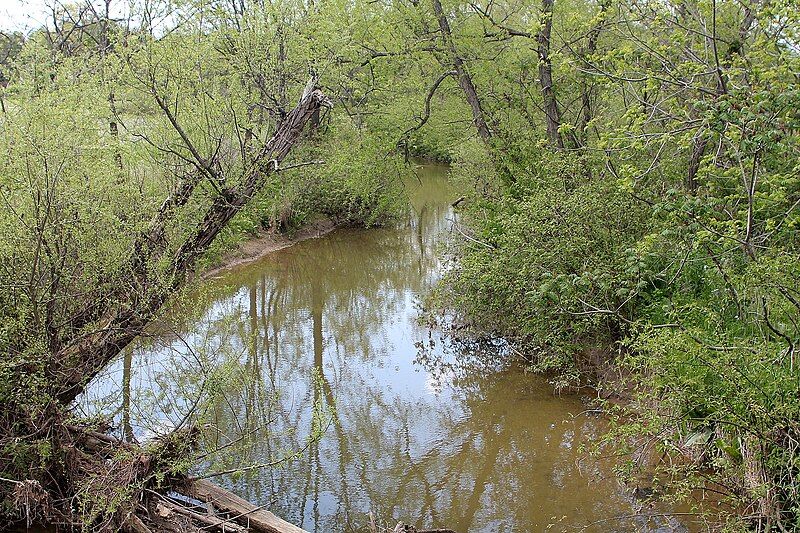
<point x="268" y="242"/>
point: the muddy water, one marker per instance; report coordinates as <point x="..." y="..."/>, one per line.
<point x="314" y="355"/>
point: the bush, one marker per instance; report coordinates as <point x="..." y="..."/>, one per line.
<point x="551" y="260"/>
<point x="561" y="259"/>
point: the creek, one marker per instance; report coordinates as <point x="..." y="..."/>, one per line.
<point x="316" y="355"/>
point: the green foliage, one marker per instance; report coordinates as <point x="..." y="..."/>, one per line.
<point x="93" y="138"/>
<point x="360" y="181"/>
<point x="666" y="230"/>
<point x="670" y="237"/>
<point x="552" y="259"/>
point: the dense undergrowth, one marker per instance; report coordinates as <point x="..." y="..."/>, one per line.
<point x="356" y="181"/>
<point x="632" y="191"/>
<point x="696" y="334"/>
<point x="94" y="147"/>
<point x="654" y="252"/>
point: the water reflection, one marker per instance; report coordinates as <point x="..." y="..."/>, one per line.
<point x="324" y="336"/>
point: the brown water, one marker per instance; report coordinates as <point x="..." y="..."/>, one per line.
<point x="323" y="338"/>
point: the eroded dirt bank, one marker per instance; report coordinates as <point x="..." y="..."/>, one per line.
<point x="266" y="243"/>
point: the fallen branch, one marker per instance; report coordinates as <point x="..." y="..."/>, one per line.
<point x="231" y="512"/>
<point x="166" y="509"/>
<point x="255" y="518"/>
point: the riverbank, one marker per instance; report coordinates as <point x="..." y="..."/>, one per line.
<point x="692" y="346"/>
<point x="326" y="334"/>
<point x="267" y="242"/>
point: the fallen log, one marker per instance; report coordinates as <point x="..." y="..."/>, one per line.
<point x="166" y="509"/>
<point x="253" y="517"/>
<point x="226" y="511"/>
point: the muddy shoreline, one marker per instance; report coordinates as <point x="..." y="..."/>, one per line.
<point x="265" y="243"/>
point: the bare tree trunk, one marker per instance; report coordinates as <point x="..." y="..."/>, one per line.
<point x="464" y="78"/>
<point x="551" y="112"/>
<point x="587" y="107"/>
<point x="698" y="150"/>
<point x="127" y="429"/>
<point x="122" y="321"/>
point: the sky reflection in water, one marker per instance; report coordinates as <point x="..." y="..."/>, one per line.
<point x="413" y="437"/>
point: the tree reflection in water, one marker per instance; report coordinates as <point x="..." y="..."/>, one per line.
<point x="411" y="434"/>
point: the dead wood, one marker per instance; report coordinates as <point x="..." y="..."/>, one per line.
<point x="256" y="518"/>
<point x="166" y="509"/>
<point x="108" y="465"/>
<point x="100" y="482"/>
<point x="124" y="317"/>
<point x="135" y="525"/>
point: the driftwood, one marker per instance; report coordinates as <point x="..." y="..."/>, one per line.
<point x="166" y="509"/>
<point x="255" y="518"/>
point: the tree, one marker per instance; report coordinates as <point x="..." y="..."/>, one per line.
<point x="73" y="315"/>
